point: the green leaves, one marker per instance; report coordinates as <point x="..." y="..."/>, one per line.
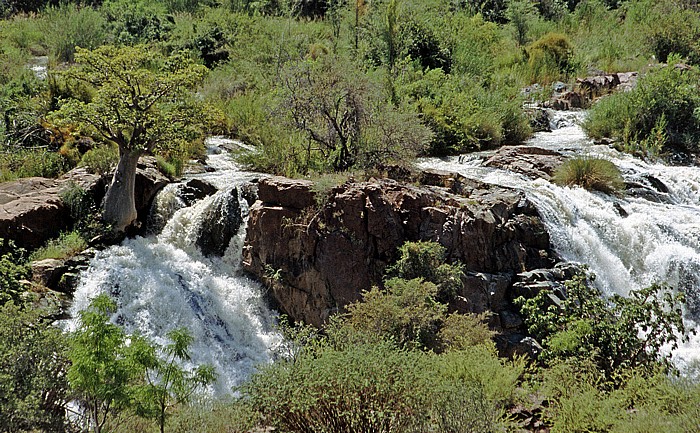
<point x="13" y="270"/>
<point x="618" y="334"/>
<point x="33" y="361"/>
<point x="140" y="101"/>
<point x="113" y="371"/>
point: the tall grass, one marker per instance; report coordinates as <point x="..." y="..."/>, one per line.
<point x="590" y="173"/>
<point x="65" y="246"/>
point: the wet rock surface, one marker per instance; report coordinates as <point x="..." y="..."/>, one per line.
<point x="533" y="162"/>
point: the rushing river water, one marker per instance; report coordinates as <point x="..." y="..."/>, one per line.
<point x="163" y="282"/>
<point x="655" y="240"/>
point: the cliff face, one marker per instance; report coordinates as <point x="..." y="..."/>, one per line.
<point x="319" y="253"/>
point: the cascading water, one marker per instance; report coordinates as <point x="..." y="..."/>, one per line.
<point x="629" y="242"/>
<point x="164" y="282"/>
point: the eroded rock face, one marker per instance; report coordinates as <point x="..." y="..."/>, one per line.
<point x="317" y="260"/>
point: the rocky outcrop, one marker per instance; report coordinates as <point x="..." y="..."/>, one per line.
<point x="221" y="223"/>
<point x="598" y="85"/>
<point x="32" y="211"/>
<point x="533" y="162"/>
<point x="317" y="258"/>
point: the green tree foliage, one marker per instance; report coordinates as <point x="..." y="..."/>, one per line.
<point x="426" y="260"/>
<point x="141" y="104"/>
<point x="101" y="370"/>
<point x="411" y="309"/>
<point x="380" y="388"/>
<point x="13" y="269"/>
<point x="33" y="363"/>
<point x="166" y="382"/>
<point x="617" y="334"/>
<point x="345" y="118"/>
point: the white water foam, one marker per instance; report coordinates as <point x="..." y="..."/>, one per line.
<point x="658" y="241"/>
<point x="163" y="282"/>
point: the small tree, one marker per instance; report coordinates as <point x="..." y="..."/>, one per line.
<point x="101" y="371"/>
<point x="141" y="104"/>
<point x="166" y="381"/>
<point x="346" y="117"/>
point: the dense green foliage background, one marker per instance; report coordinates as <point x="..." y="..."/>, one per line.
<point x="335" y="85"/>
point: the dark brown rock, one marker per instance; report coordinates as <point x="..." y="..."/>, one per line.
<point x="318" y="260"/>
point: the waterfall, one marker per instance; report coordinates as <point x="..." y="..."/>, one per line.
<point x="655" y="240"/>
<point x="162" y="282"/>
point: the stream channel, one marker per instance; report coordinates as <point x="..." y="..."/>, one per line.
<point x="163" y="281"/>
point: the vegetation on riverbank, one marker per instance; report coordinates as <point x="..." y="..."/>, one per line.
<point x="397" y="361"/>
<point x="332" y="86"/>
<point x="337" y="86"/>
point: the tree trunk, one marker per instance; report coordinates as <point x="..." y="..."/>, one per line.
<point x="120" y="205"/>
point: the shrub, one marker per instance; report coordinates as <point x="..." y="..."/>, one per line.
<point x="590" y="173"/>
<point x="376" y="387"/>
<point x="617" y="335"/>
<point x="426" y="260"/>
<point x="13" y="270"/>
<point x="69" y="26"/>
<point x="30" y="163"/>
<point x="662" y="111"/>
<point x="551" y="58"/>
<point x="33" y="363"/>
<point x="65" y="246"/>
<point x="405" y="312"/>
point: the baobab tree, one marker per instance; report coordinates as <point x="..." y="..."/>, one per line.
<point x="141" y="101"/>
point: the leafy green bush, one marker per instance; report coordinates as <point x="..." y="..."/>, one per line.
<point x="590" y="173"/>
<point x="663" y="111"/>
<point x="101" y="159"/>
<point x="618" y="334"/>
<point x="551" y="58"/>
<point x="33" y="363"/>
<point x="133" y="22"/>
<point x="405" y="312"/>
<point x="426" y="260"/>
<point x="13" y="269"/>
<point x="376" y="387"/>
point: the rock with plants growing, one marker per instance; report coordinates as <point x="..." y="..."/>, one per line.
<point x="590" y="173"/>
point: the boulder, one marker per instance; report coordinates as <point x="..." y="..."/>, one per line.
<point x="317" y="259"/>
<point x="533" y="162"/>
<point x="32" y="211"/>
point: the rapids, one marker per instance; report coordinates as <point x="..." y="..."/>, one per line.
<point x="658" y="241"/>
<point x="163" y="281"/>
